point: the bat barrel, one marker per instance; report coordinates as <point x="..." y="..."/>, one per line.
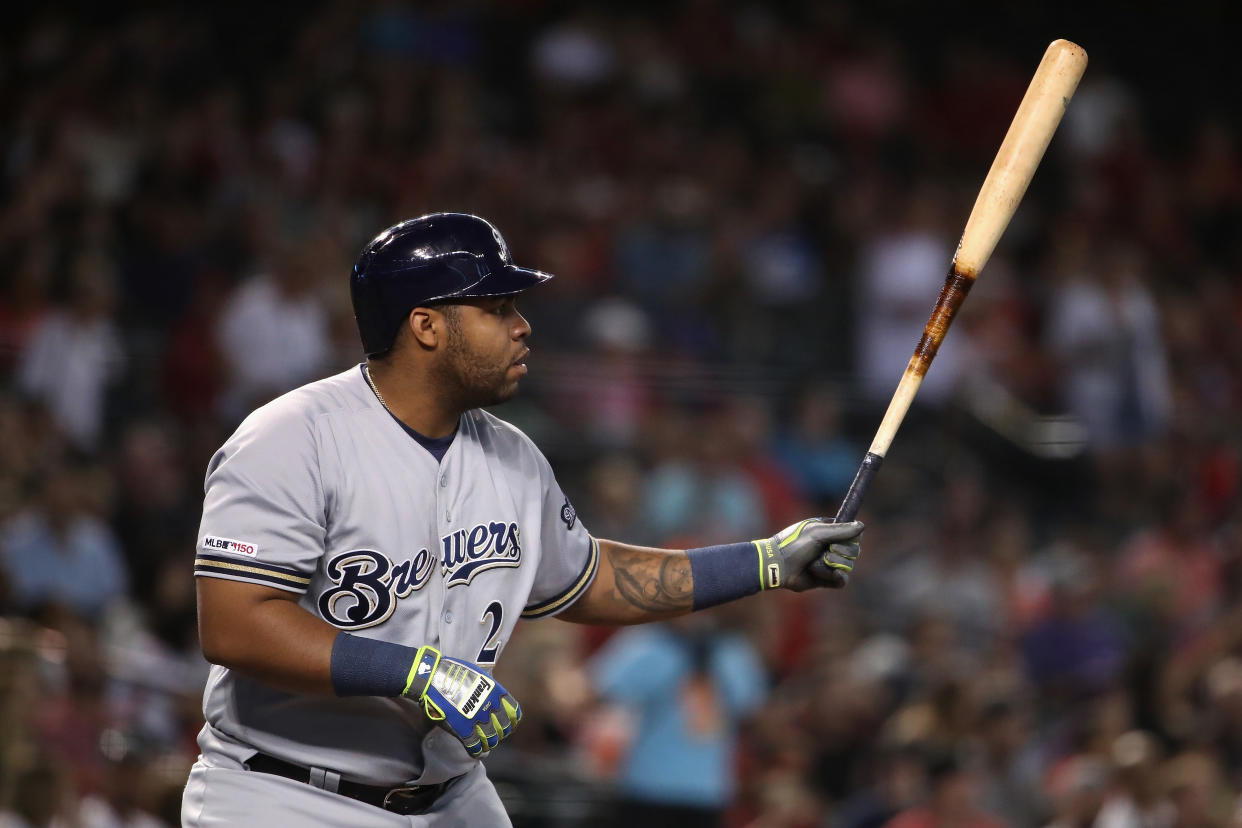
<point x="1037" y="118"/>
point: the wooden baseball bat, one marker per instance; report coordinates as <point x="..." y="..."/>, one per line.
<point x="1038" y="115"/>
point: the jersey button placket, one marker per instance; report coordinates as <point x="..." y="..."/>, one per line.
<point x="445" y="508"/>
<point x="448" y="507"/>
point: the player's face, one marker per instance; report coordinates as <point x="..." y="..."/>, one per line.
<point x="486" y="350"/>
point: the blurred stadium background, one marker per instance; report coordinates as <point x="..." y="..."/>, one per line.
<point x="749" y="208"/>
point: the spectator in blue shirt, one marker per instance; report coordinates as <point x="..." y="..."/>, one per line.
<point x="57" y="553"/>
<point x="689" y="684"/>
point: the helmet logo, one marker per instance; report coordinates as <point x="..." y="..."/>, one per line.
<point x="505" y="255"/>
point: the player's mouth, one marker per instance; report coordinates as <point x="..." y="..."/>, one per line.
<point x="520" y="363"/>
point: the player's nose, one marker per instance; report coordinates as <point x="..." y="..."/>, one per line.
<point x="522" y="329"/>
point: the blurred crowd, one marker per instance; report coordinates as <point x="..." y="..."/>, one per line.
<point x="749" y="211"/>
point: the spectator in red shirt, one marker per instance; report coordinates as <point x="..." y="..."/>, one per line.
<point x="954" y="799"/>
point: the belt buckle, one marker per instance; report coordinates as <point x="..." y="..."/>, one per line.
<point x="404" y="799"/>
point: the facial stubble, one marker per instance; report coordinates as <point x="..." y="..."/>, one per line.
<point x="469" y="376"/>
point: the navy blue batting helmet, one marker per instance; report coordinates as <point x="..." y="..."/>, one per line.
<point x="433" y="258"/>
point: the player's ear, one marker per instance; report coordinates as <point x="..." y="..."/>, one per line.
<point x="425" y="327"/>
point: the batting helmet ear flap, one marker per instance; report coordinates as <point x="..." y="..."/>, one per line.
<point x="432" y="258"/>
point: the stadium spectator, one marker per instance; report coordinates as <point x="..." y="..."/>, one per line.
<point x="273" y="332"/>
<point x="58" y="554"/>
<point x="814" y="449"/>
<point x="898" y="268"/>
<point x="75" y="353"/>
<point x="689" y="685"/>
<point x="953" y="798"/>
<point x="1105" y="331"/>
<point x="1142" y="797"/>
<point x="900" y="781"/>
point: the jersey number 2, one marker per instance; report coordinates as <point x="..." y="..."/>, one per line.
<point x="496" y="611"/>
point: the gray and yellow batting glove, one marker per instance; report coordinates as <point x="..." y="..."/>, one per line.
<point x="811" y="553"/>
<point x="459" y="697"/>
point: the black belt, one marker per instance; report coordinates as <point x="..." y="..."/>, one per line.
<point x="407" y="800"/>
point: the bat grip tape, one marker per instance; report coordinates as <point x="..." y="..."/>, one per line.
<point x="858" y="489"/>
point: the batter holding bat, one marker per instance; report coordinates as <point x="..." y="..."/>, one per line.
<point x="369" y="541"/>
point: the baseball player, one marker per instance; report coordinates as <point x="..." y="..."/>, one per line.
<point x="369" y="541"/>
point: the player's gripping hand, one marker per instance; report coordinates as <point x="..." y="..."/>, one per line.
<point x="462" y="699"/>
<point x="807" y="554"/>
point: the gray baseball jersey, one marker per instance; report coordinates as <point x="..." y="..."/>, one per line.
<point x="325" y="494"/>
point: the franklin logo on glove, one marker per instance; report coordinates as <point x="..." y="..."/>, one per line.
<point x="483" y="687"/>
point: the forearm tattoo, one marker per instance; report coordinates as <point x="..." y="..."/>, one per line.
<point x="653" y="582"/>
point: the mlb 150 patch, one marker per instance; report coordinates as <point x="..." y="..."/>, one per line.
<point x="235" y="547"/>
